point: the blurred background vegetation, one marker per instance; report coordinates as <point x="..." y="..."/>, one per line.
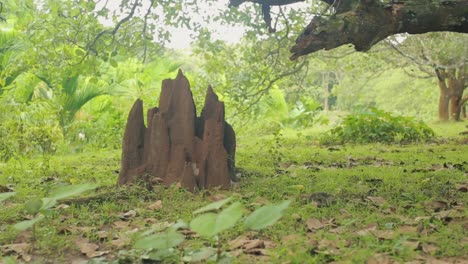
<point x="71" y="69"/>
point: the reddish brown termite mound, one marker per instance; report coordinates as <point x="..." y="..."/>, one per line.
<point x="177" y="146"/>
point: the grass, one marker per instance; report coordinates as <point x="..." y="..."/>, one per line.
<point x="350" y="204"/>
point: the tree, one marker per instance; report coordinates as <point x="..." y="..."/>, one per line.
<point x="363" y="23"/>
<point x="442" y="56"/>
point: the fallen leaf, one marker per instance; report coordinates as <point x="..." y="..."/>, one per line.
<point x="327" y="247"/>
<point x="156" y="205"/>
<point x="421" y="218"/>
<point x="217" y="197"/>
<point x="20" y="248"/>
<point x="129" y="214"/>
<point x="102" y="234"/>
<point x="448" y="215"/>
<point x="384" y="234"/>
<point x="436" y="206"/>
<point x="463" y="187"/>
<point x="121" y="224"/>
<point x="379" y="201"/>
<point x="407" y="229"/>
<point x="238" y="242"/>
<point x="315" y="224"/>
<point x="256" y="251"/>
<point x="255" y="243"/>
<point x="62" y="206"/>
<point x="411" y="244"/>
<point x="338" y="230"/>
<point x="120" y="242"/>
<point x="380" y="259"/>
<point x="366" y="230"/>
<point x="429" y="248"/>
<point x="321" y="199"/>
<point x="85" y="247"/>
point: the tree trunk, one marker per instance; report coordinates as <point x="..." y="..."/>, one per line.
<point x="443" y="106"/>
<point x="456" y="86"/>
<point x="444" y="96"/>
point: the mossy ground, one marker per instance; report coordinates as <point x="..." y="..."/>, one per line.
<point x="350" y="204"/>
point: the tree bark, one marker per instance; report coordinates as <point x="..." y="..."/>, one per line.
<point x="443" y="96"/>
<point x="366" y="22"/>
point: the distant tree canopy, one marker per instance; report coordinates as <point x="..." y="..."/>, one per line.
<point x="363" y="23"/>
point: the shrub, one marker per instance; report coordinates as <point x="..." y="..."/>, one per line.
<point x="378" y="126"/>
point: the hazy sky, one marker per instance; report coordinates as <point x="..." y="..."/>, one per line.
<point x="181" y="38"/>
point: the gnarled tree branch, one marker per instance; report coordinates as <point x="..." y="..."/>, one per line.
<point x="372" y="21"/>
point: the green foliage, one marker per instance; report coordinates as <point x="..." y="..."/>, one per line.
<point x="4" y="196"/>
<point x="28" y="128"/>
<point x="211" y="222"/>
<point x="265" y="216"/>
<point x="40" y="207"/>
<point x="378" y="126"/>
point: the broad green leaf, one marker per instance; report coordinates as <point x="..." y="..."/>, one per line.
<point x="71" y="190"/>
<point x="204" y="224"/>
<point x="199" y="254"/>
<point x="33" y="206"/>
<point x="4" y="196"/>
<point x="213" y="206"/>
<point x="265" y="216"/>
<point x="165" y="240"/>
<point x="48" y="203"/>
<point x="113" y="63"/>
<point x="211" y="224"/>
<point x="23" y="225"/>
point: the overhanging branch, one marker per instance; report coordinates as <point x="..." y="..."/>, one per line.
<point x="371" y="21"/>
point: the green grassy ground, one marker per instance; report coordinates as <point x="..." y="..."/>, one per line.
<point x="350" y="204"/>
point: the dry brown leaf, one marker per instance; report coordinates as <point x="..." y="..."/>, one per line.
<point x="327" y="247"/>
<point x="217" y="197"/>
<point x="315" y="224"/>
<point x="238" y="242"/>
<point x="448" y="215"/>
<point x="255" y="243"/>
<point x="411" y="244"/>
<point x="129" y="214"/>
<point x="86" y="247"/>
<point x="463" y="187"/>
<point x="379" y="201"/>
<point x="296" y="217"/>
<point x="90" y="249"/>
<point x="62" y="206"/>
<point x="120" y="242"/>
<point x="380" y="259"/>
<point x="384" y="234"/>
<point x="429" y="248"/>
<point x="436" y="206"/>
<point x="407" y="229"/>
<point x="366" y="230"/>
<point x="121" y="224"/>
<point x="20" y="248"/>
<point x="256" y="251"/>
<point x="338" y="230"/>
<point x="156" y="205"/>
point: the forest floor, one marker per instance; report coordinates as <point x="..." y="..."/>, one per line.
<point x="349" y="204"/>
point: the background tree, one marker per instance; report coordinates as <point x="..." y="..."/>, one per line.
<point x="439" y="55"/>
